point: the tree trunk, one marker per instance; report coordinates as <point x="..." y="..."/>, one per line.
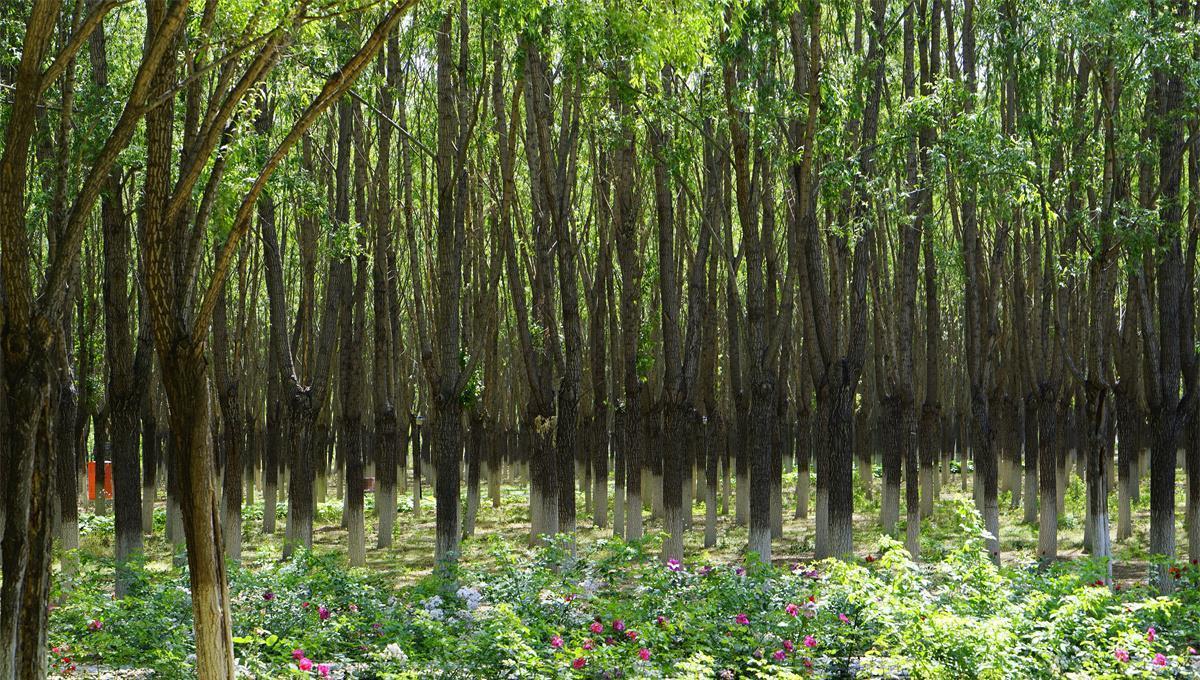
<point x="26" y="543"/>
<point x="475" y="439"/>
<point x="803" y="464"/>
<point x="1047" y="476"/>
<point x="890" y="503"/>
<point x="1029" y="449"/>
<point x="447" y="426"/>
<point x="186" y="382"/>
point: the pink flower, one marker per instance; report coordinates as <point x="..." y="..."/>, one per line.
<point x="597" y="627"/>
<point x="618" y="625"/>
<point x="588" y="645"/>
<point x="644" y="654"/>
<point x="268" y="596"/>
<point x="810" y="641"/>
<point x="323" y="670"/>
<point x="843" y="618"/>
<point x="779" y="655"/>
<point x="323" y="612"/>
<point x="95" y="624"/>
<point x="674" y="565"/>
<point x="789" y="645"/>
<point x="578" y="663"/>
<point x="297" y="654"/>
<point x="304" y="664"/>
<point x="741" y="620"/>
<point x="556" y="642"/>
<point x="1121" y="655"/>
<point x="740" y="571"/>
<point x="609" y="641"/>
<point x="1159" y="660"/>
<point x="1151" y="634"/>
<point x="353" y="608"/>
<point x="792" y="609"/>
<point x="1191" y="651"/>
<point x="807" y="662"/>
<point x="631" y="634"/>
<point x="661" y="620"/>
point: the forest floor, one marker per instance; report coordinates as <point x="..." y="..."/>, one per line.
<point x="499" y="546"/>
<point x="410" y="557"/>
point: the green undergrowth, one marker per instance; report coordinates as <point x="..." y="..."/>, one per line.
<point x="612" y="609"/>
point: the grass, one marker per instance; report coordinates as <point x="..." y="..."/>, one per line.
<point x="410" y="556"/>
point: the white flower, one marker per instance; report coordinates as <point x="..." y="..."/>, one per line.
<point x="393" y="651"/>
<point x="433" y="608"/>
<point x="471" y="596"/>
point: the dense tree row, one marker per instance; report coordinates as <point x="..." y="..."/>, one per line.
<point x="645" y="256"/>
